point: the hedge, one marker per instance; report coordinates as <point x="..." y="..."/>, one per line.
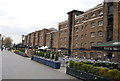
<point x="112" y="74"/>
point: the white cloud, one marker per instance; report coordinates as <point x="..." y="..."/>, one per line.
<point x="19" y="17"/>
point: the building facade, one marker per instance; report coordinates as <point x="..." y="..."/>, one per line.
<point x="37" y="38"/>
<point x="52" y="40"/>
<point x="94" y="26"/>
<point x="83" y="30"/>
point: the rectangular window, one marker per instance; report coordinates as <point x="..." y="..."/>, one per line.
<point x="109" y="34"/>
<point x="110" y="9"/>
<point x="76" y="22"/>
<point x="76" y="45"/>
<point x="93" y="15"/>
<point x="93" y="24"/>
<point x="82" y="27"/>
<point x="76" y="29"/>
<point x="101" y="13"/>
<point x="81" y="36"/>
<point x="65" y="38"/>
<point x="92" y="34"/>
<point x="91" y="54"/>
<point x="91" y="43"/>
<point x="76" y="37"/>
<point x="100" y="23"/>
<point x="65" y="31"/>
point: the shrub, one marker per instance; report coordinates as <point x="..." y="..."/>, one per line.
<point x="36" y="53"/>
<point x="56" y="57"/>
<point x="40" y="54"/>
<point x="48" y="56"/>
<point x="71" y="63"/>
<point x="114" y="74"/>
<point x="52" y="56"/>
<point x="112" y="65"/>
<point x="88" y="62"/>
<point x="103" y="72"/>
<point x="79" y="66"/>
<point x="43" y="54"/>
<point x="17" y="50"/>
<point x="95" y="70"/>
<point x="75" y="65"/>
<point x="101" y="64"/>
<point x="22" y="49"/>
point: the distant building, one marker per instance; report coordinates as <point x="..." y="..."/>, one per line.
<point x="37" y="38"/>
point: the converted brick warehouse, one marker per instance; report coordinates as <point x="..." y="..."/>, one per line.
<point x="97" y="29"/>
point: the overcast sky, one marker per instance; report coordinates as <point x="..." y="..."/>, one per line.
<point x="18" y="17"/>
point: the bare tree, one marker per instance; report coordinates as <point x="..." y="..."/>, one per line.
<point x="8" y="42"/>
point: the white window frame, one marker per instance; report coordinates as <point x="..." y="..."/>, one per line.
<point x="100" y="22"/>
<point x="93" y="25"/>
<point x="92" y="34"/>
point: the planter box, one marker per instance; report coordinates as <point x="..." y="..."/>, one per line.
<point x="85" y="76"/>
<point x="53" y="64"/>
<point x="20" y="53"/>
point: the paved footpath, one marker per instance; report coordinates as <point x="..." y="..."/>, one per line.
<point x="18" y="67"/>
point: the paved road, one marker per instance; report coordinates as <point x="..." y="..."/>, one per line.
<point x="18" y="67"/>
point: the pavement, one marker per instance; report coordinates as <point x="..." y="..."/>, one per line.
<point x="0" y="66"/>
<point x="17" y="67"/>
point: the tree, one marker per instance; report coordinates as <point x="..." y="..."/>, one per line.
<point x="8" y="42"/>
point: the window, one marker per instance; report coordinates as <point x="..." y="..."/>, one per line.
<point x="84" y="54"/>
<point x="92" y="34"/>
<point x="109" y="33"/>
<point x="86" y="16"/>
<point x="61" y="39"/>
<point x="93" y="24"/>
<point x="100" y="33"/>
<point x="76" y="22"/>
<point x="82" y="20"/>
<point x="85" y="35"/>
<point x="99" y="42"/>
<point x="66" y="25"/>
<point x="61" y="45"/>
<point x="61" y="32"/>
<point x="76" y="29"/>
<point x="82" y="28"/>
<point x="93" y="15"/>
<point x="65" y="31"/>
<point x="99" y="54"/>
<point x="91" y="54"/>
<point x="65" y="38"/>
<point x="81" y="44"/>
<point x="91" y="43"/>
<point x="76" y="45"/>
<point x="110" y="9"/>
<point x="101" y="12"/>
<point x="85" y="44"/>
<point x="76" y="37"/>
<point x="65" y="45"/>
<point x="100" y="23"/>
<point x="81" y="36"/>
